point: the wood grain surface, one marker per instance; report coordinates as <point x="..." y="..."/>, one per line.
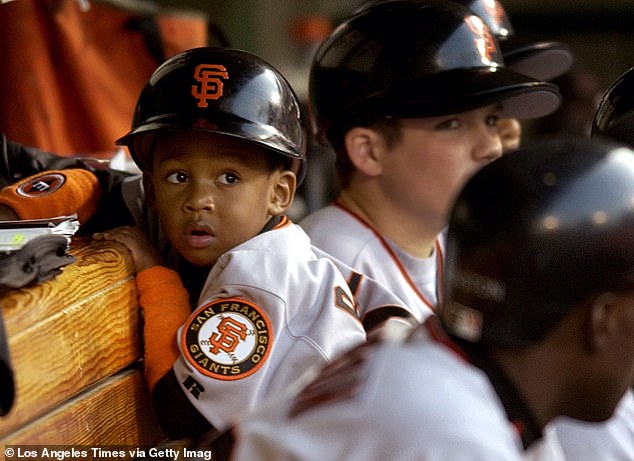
<point x="105" y="415"/>
<point x="68" y="334"/>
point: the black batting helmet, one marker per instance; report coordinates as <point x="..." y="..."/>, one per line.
<point x="406" y="58"/>
<point x="535" y="57"/>
<point x="536" y="233"/>
<point x="614" y="117"/>
<point x="225" y="91"/>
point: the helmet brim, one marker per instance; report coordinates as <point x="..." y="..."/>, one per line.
<point x="450" y="92"/>
<point x="239" y="129"/>
<point x="543" y="60"/>
<point x="461" y="90"/>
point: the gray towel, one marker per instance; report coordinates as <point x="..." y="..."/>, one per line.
<point x="40" y="259"/>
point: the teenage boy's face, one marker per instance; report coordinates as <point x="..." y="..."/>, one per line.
<point x="213" y="192"/>
<point x="436" y="155"/>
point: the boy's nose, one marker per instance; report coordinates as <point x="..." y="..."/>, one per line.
<point x="200" y="200"/>
<point x="488" y="146"/>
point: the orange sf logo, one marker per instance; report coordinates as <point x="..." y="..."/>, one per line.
<point x="484" y="42"/>
<point x="230" y="333"/>
<point x="209" y="78"/>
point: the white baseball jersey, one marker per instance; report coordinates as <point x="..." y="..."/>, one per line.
<point x="270" y="310"/>
<point x="547" y="448"/>
<point x="612" y="440"/>
<point x="417" y="400"/>
<point x="347" y="237"/>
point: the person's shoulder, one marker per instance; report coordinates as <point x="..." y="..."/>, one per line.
<point x="415" y="384"/>
<point x="330" y="218"/>
<point x="435" y="388"/>
<point x="612" y="439"/>
<point x="338" y="233"/>
<point x="278" y="255"/>
<point x="286" y="241"/>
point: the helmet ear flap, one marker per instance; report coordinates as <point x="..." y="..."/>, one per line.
<point x="141" y="149"/>
<point x="598" y="320"/>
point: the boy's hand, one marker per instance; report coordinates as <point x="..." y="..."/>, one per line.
<point x="144" y="254"/>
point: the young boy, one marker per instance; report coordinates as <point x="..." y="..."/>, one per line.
<point x="219" y="137"/>
<point x="408" y="93"/>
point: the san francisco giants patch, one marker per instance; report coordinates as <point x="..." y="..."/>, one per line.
<point x="44" y="184"/>
<point x="227" y="339"/>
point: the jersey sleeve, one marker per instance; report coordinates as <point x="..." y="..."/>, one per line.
<point x="226" y="363"/>
<point x="245" y="344"/>
<point x="270" y="311"/>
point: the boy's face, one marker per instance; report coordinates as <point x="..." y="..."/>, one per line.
<point x="213" y="192"/>
<point x="428" y="166"/>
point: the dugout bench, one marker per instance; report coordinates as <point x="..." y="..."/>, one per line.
<point x="75" y="349"/>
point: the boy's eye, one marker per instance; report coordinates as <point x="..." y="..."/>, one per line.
<point x="492" y="120"/>
<point x="228" y="178"/>
<point x="177" y="177"/>
<point x="450" y="124"/>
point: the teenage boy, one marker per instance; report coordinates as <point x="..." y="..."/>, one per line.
<point x="408" y="93"/>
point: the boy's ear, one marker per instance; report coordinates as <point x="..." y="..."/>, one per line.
<point x="601" y="321"/>
<point x="148" y="188"/>
<point x="282" y="192"/>
<point x="362" y="147"/>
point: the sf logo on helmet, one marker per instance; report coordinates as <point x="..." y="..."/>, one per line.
<point x="495" y="11"/>
<point x="210" y="84"/>
<point x="483" y="39"/>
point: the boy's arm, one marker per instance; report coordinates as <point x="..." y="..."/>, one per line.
<point x="165" y="304"/>
<point x="177" y="416"/>
<point x="162" y="297"/>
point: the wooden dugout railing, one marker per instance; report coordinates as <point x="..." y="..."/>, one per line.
<point x="75" y="349"/>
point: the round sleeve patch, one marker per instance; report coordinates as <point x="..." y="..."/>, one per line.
<point x="227" y="339"/>
<point x="44" y="184"/>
